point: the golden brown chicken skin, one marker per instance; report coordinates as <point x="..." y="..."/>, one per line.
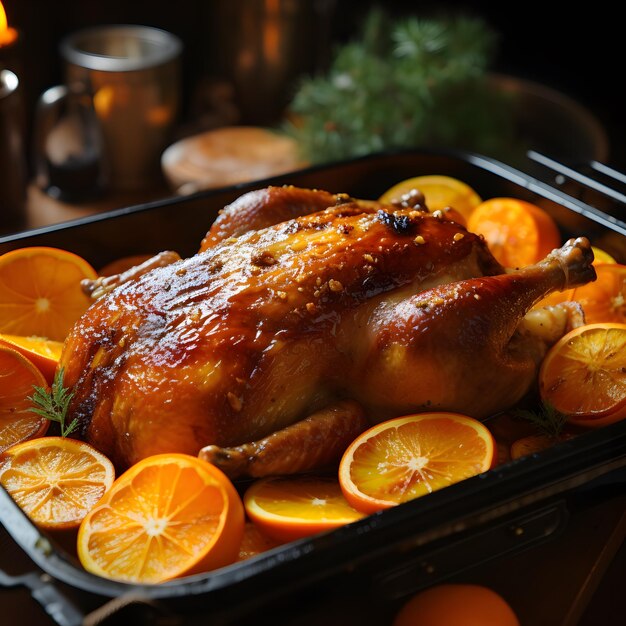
<point x="258" y="333"/>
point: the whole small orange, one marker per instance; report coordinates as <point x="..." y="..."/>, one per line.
<point x="457" y="605"/>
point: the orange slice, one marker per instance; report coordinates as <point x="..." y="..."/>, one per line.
<point x="123" y="264"/>
<point x="254" y="542"/>
<point x="439" y="191"/>
<point x="291" y="508"/>
<point x="518" y="233"/>
<point x="535" y="443"/>
<point x="55" y="480"/>
<point x="18" y="376"/>
<point x="604" y="300"/>
<point x="584" y="374"/>
<point x="407" y="457"/>
<point x="169" y="515"/>
<point x="40" y="291"/>
<point x="601" y="256"/>
<point x="43" y="353"/>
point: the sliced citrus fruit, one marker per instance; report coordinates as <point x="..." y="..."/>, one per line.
<point x="254" y="542"/>
<point x="601" y="256"/>
<point x="583" y="375"/>
<point x="604" y="300"/>
<point x="456" y="605"/>
<point x="40" y="292"/>
<point x="288" y="508"/>
<point x="123" y="264"/>
<point x="18" y="376"/>
<point x="167" y="516"/>
<point x="518" y="233"/>
<point x="43" y="353"/>
<point x="55" y="480"/>
<point x="407" y="457"/>
<point x="534" y="443"/>
<point x="439" y="191"/>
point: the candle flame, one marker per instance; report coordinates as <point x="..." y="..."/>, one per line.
<point x="7" y="34"/>
<point x="4" y="25"/>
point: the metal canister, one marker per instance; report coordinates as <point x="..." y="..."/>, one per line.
<point x="132" y="74"/>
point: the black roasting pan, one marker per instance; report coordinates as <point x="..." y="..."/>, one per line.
<point x="390" y="554"/>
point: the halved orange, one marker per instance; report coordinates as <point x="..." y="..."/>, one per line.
<point x="40" y="292"/>
<point x="55" y="480"/>
<point x="167" y="516"/>
<point x="604" y="300"/>
<point x="43" y="353"/>
<point x="518" y="233"/>
<point x="407" y="457"/>
<point x="439" y="191"/>
<point x="18" y="376"/>
<point x="254" y="542"/>
<point x="583" y="375"/>
<point x="288" y="508"/>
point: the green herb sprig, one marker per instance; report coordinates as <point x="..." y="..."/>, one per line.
<point x="546" y="419"/>
<point x="54" y="403"/>
<point x="404" y="83"/>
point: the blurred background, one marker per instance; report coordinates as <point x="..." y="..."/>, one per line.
<point x="572" y="52"/>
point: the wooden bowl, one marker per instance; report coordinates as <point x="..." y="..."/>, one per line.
<point x="228" y="156"/>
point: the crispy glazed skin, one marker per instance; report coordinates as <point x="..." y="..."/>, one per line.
<point x="265" y="207"/>
<point x="257" y="333"/>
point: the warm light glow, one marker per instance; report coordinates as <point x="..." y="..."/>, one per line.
<point x="7" y="34"/>
<point x="271" y="32"/>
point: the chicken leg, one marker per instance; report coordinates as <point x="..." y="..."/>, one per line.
<point x="465" y="346"/>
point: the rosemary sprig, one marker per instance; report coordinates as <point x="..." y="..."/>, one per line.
<point x="546" y="419"/>
<point x="53" y="403"/>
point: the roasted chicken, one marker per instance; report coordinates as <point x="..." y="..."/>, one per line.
<point x="305" y="317"/>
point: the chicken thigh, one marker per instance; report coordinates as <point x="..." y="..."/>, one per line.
<point x="270" y="350"/>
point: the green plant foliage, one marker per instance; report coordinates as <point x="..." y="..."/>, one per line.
<point x="410" y="82"/>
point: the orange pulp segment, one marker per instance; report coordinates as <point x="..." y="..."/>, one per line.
<point x="18" y="376"/>
<point x="288" y="508"/>
<point x="407" y="457"/>
<point x="584" y="374"/>
<point x="518" y="233"/>
<point x="40" y="292"/>
<point x="43" y="353"/>
<point x="604" y="300"/>
<point x="167" y="516"/>
<point x="439" y="192"/>
<point x="55" y="480"/>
